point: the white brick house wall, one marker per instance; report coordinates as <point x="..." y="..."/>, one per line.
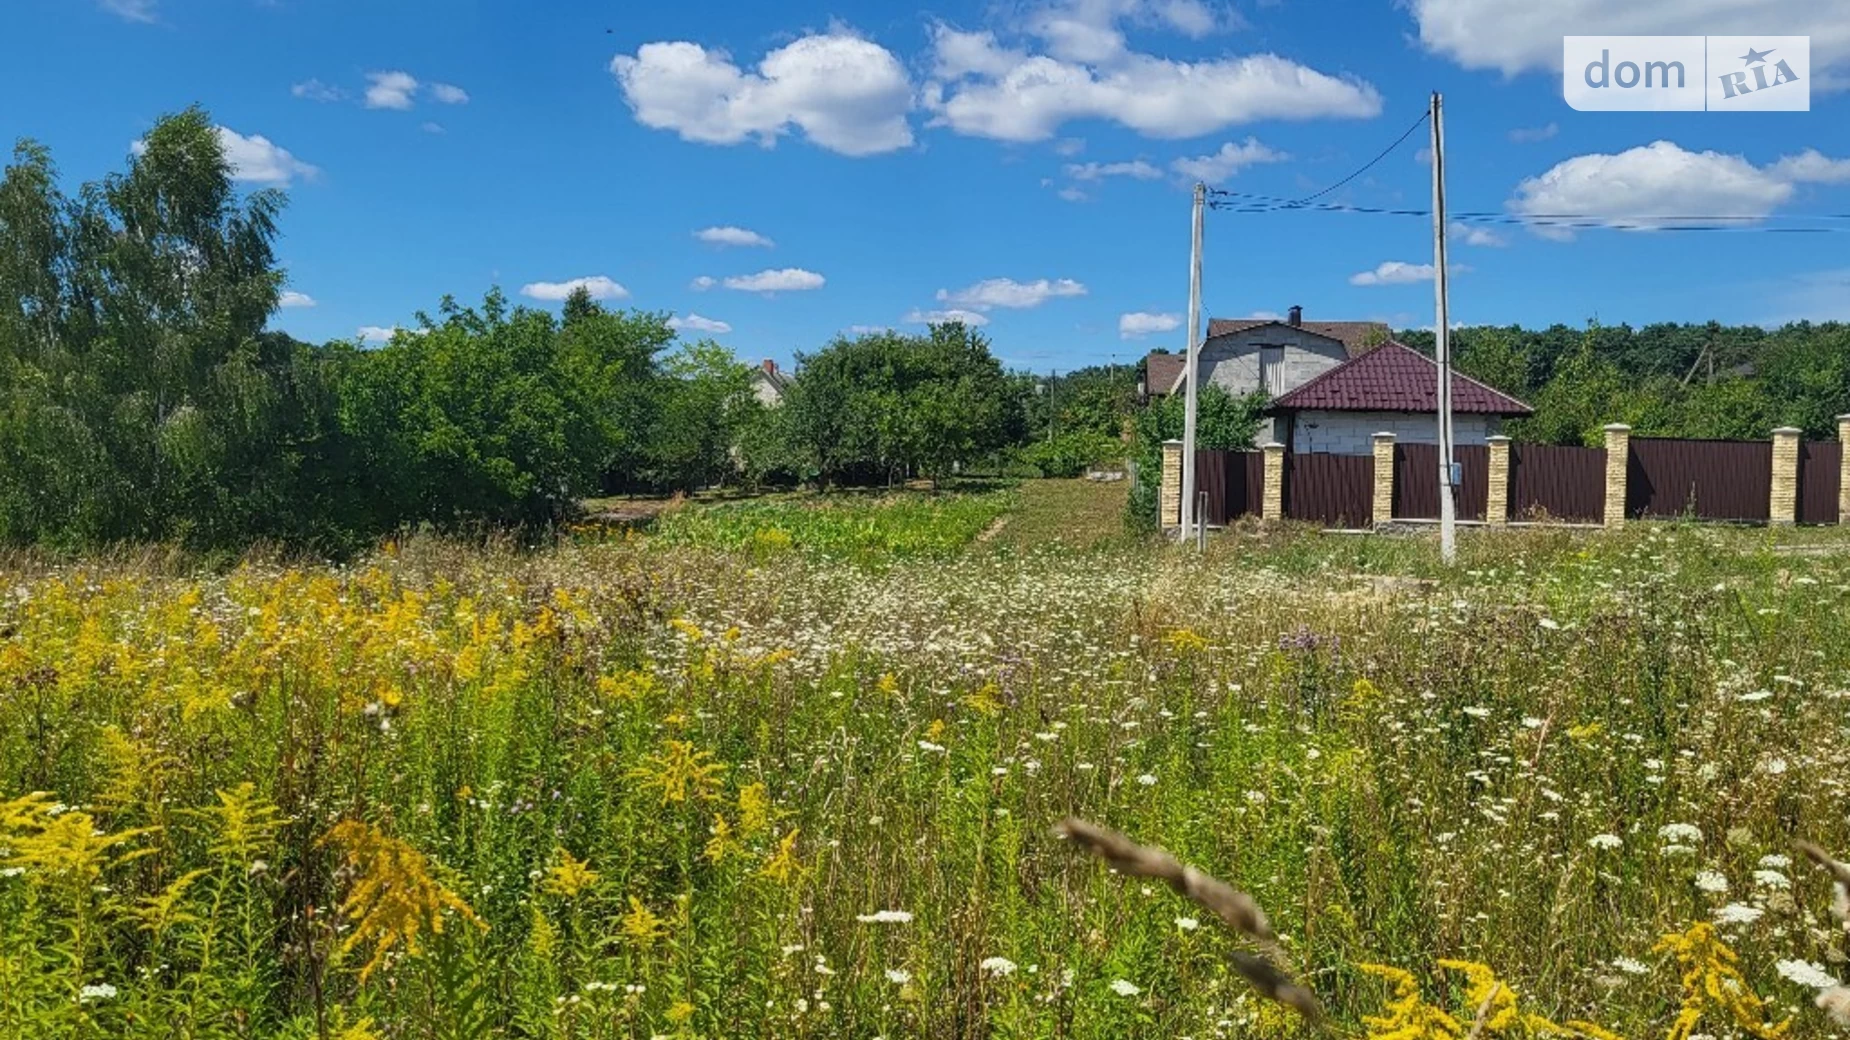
<point x="1352" y="433"/>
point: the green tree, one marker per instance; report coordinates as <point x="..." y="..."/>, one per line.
<point x="1222" y="422"/>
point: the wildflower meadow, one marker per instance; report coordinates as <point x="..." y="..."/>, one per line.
<point x="773" y="772"/>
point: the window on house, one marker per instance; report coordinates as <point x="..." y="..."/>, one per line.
<point x="1272" y="371"/>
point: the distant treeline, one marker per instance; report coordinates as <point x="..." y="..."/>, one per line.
<point x="142" y="397"/>
<point x="1733" y="382"/>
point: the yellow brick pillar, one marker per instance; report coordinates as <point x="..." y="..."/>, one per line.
<point x="1618" y="458"/>
<point x="1497" y="486"/>
<point x="1274" y="505"/>
<point x="1783" y="506"/>
<point x="1384" y="479"/>
<point x="1843" y="470"/>
<point x="1169" y="497"/>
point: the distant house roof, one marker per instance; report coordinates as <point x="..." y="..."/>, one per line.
<point x="1163" y="371"/>
<point x="1355" y="336"/>
<point x="1395" y="378"/>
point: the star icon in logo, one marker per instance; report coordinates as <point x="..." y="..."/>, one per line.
<point x="1754" y="57"/>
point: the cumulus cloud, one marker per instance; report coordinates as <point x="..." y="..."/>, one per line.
<point x="1071" y="194"/>
<point x="129" y="10"/>
<point x="786" y="279"/>
<point x="315" y="90"/>
<point x="732" y="236"/>
<point x="1652" y="185"/>
<point x="1138" y="324"/>
<point x="1520" y="37"/>
<point x="1007" y="292"/>
<point x="1094" y="171"/>
<point x="1529" y="135"/>
<point x="696" y="323"/>
<point x="703" y="283"/>
<point x="449" y="93"/>
<point x="1475" y="235"/>
<point x="1229" y="160"/>
<point x="600" y="288"/>
<point x="865" y="330"/>
<point x="255" y="159"/>
<point x="973" y="319"/>
<point x="384" y="333"/>
<point x="291" y="298"/>
<point x="844" y="93"/>
<point x="390" y="89"/>
<point x="985" y="89"/>
<point x="1399" y="272"/>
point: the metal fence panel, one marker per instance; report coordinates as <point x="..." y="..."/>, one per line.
<point x="1333" y="490"/>
<point x="1416" y="481"/>
<point x="1234" y="482"/>
<point x="1557" y="481"/>
<point x="1820" y="473"/>
<point x="1705" y="480"/>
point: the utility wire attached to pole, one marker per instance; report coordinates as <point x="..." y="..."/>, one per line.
<point x="1448" y="508"/>
<point x="1190" y="516"/>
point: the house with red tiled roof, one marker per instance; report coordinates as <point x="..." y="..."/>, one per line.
<point x="1329" y="379"/>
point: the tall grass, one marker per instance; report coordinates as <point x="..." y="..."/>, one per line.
<point x="656" y="787"/>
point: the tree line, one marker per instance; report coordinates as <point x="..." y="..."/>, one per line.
<point x="144" y="398"/>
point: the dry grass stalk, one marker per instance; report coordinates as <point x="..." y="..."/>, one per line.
<point x="1483" y="1012"/>
<point x="1235" y="908"/>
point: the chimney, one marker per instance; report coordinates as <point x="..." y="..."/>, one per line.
<point x="1297" y="316"/>
<point x="770" y="367"/>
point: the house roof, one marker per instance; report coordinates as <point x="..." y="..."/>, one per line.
<point x="1163" y="372"/>
<point x="1357" y="337"/>
<point x="1395" y="378"/>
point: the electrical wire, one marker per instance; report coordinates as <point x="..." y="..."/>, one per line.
<point x="1568" y="221"/>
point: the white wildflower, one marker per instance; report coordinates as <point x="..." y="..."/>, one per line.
<point x="898" y="976"/>
<point x="885" y="917"/>
<point x="1738" y="913"/>
<point x="1147" y="779"/>
<point x="1680" y="832"/>
<point x="1771" y="879"/>
<point x="1711" y="881"/>
<point x="1605" y="841"/>
<point x="1187" y="924"/>
<point x="1124" y="988"/>
<point x="1631" y="966"/>
<point x="1805" y="973"/>
<point x="99" y="991"/>
<point x="998" y="966"/>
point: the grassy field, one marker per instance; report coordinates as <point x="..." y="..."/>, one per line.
<point x="793" y="770"/>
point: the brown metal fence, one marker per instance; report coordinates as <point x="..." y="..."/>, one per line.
<point x="1333" y="490"/>
<point x="1704" y="480"/>
<point x="1416" y="481"/>
<point x="1559" y="482"/>
<point x="1820" y="473"/>
<point x="1234" y="482"/>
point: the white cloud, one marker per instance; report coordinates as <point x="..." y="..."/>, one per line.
<point x="258" y="159"/>
<point x="432" y="128"/>
<point x="1638" y="188"/>
<point x="315" y="90"/>
<point x="863" y="330"/>
<point x="1007" y="292"/>
<point x="129" y="10"/>
<point x="1475" y="235"/>
<point x="255" y="159"/>
<point x="449" y="93"/>
<point x="1516" y="37"/>
<point x="1139" y="324"/>
<point x="923" y="317"/>
<point x="382" y="333"/>
<point x="1529" y="135"/>
<point x="1809" y="167"/>
<point x="1069" y="146"/>
<point x="732" y="236"/>
<point x="788" y="279"/>
<point x="703" y="283"/>
<point x="1071" y="194"/>
<point x="696" y="323"/>
<point x="600" y="288"/>
<point x="390" y="89"/>
<point x="1093" y="171"/>
<point x="291" y="298"/>
<point x="1229" y="160"/>
<point x="1266" y="315"/>
<point x="985" y="89"/>
<point x="846" y="94"/>
<point x="1399" y="272"/>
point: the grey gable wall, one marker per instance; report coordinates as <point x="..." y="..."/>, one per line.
<point x="1232" y="361"/>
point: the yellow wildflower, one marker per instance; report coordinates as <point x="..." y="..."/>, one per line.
<point x="782" y="867"/>
<point x="1711" y="981"/>
<point x="641" y="926"/>
<point x="393" y="897"/>
<point x="1185" y="641"/>
<point x="569" y="876"/>
<point x="680" y="772"/>
<point x="754" y="809"/>
<point x="722" y="843"/>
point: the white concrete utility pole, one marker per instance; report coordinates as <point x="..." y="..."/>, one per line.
<point x="1448" y="509"/>
<point x="1189" y="517"/>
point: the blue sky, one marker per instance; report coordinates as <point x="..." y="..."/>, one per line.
<point x="1027" y="163"/>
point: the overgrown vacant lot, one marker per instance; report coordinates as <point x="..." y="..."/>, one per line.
<point x="736" y="781"/>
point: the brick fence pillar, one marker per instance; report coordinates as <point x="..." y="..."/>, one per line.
<point x="1843" y="470"/>
<point x="1497" y="487"/>
<point x="1783" y="507"/>
<point x="1384" y="479"/>
<point x="1618" y="458"/>
<point x="1274" y="502"/>
<point x="1169" y="498"/>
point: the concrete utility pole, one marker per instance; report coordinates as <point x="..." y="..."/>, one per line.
<point x="1448" y="509"/>
<point x="1189" y="517"/>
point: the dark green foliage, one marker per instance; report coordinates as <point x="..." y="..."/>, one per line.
<point x="1222" y="421"/>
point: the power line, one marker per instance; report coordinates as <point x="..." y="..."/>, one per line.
<point x="1570" y="221"/>
<point x="1364" y="168"/>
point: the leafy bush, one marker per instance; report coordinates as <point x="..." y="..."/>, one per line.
<point x="1222" y="421"/>
<point x="1070" y="454"/>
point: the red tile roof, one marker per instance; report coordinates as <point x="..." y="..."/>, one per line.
<point x="1395" y="378"/>
<point x="1161" y="372"/>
